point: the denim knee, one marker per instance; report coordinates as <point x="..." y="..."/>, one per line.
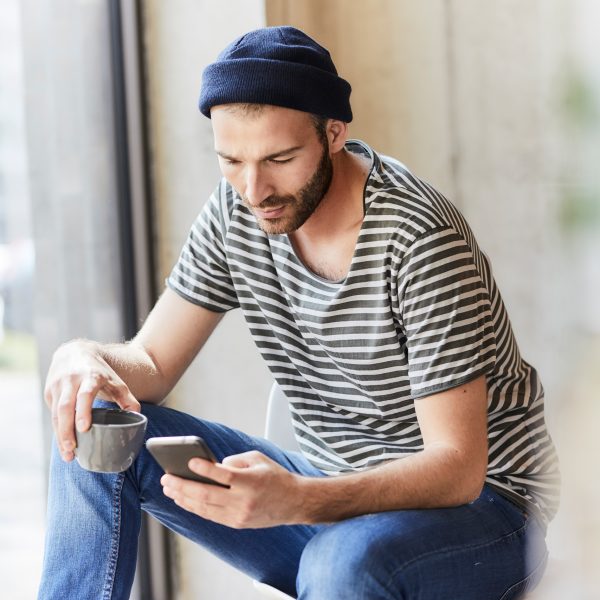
<point x="469" y="552"/>
<point x="340" y="562"/>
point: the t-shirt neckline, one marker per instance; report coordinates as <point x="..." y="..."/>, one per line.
<point x="356" y="147"/>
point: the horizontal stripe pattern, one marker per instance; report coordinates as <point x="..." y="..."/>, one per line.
<point x="418" y="313"/>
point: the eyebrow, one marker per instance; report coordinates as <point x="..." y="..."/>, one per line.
<point x="268" y="157"/>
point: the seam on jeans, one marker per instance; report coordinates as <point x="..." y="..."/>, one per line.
<point x="526" y="580"/>
<point x="438" y="551"/>
<point x="113" y="554"/>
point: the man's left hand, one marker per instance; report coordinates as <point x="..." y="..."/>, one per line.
<point x="261" y="492"/>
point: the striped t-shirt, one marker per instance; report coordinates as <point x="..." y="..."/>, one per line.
<point x="419" y="312"/>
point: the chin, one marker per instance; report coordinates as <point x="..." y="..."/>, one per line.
<point x="284" y="224"/>
<point x="275" y="226"/>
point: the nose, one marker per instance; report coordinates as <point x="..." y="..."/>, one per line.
<point x="257" y="187"/>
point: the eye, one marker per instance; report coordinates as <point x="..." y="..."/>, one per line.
<point x="281" y="161"/>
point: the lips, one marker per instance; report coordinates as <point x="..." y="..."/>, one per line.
<point x="271" y="213"/>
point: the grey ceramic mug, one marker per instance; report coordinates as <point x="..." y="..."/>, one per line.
<point x="113" y="441"/>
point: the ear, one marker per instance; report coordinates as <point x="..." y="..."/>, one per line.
<point x="337" y="134"/>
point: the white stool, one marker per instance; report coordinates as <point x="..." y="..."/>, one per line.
<point x="268" y="591"/>
<point x="279" y="430"/>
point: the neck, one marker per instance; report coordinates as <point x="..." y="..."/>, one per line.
<point x="342" y="207"/>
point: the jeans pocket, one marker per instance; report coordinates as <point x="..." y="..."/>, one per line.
<point x="528" y="584"/>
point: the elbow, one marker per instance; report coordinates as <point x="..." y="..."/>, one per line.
<point x="153" y="374"/>
<point x="473" y="482"/>
<point x="471" y="494"/>
<point x="466" y="472"/>
<point x="465" y="494"/>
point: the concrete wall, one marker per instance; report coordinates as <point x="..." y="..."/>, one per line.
<point x="16" y="250"/>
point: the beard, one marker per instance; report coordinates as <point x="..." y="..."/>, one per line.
<point x="303" y="203"/>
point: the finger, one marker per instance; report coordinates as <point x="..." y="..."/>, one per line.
<point x="172" y="481"/>
<point x="65" y="411"/>
<point x="225" y="514"/>
<point x="238" y="461"/>
<point x="178" y="485"/>
<point x="86" y="394"/>
<point x="215" y="471"/>
<point x="188" y="504"/>
<point x="120" y="393"/>
<point x="214" y="503"/>
<point x="210" y="512"/>
<point x="245" y="460"/>
<point x="194" y="492"/>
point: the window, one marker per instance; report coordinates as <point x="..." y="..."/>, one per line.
<point x="22" y="469"/>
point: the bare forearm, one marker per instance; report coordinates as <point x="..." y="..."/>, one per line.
<point x="437" y="477"/>
<point x="450" y="471"/>
<point x="155" y="359"/>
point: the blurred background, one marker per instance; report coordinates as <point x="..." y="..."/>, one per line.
<point x="105" y="162"/>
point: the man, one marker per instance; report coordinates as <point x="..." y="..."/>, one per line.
<point x="426" y="468"/>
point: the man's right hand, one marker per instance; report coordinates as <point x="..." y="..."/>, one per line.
<point x="77" y="374"/>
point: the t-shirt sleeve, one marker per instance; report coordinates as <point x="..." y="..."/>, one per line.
<point x="201" y="274"/>
<point x="446" y="314"/>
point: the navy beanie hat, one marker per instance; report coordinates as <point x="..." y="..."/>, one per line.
<point x="281" y="66"/>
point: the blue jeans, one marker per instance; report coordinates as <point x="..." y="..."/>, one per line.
<point x="486" y="550"/>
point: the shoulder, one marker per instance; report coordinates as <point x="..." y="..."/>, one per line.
<point x="395" y="199"/>
<point x="418" y="209"/>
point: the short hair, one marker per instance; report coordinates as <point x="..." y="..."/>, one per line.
<point x="248" y="108"/>
<point x="320" y="124"/>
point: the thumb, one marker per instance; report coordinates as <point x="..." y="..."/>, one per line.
<point x="244" y="460"/>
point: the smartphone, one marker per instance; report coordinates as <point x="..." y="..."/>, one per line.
<point x="174" y="453"/>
